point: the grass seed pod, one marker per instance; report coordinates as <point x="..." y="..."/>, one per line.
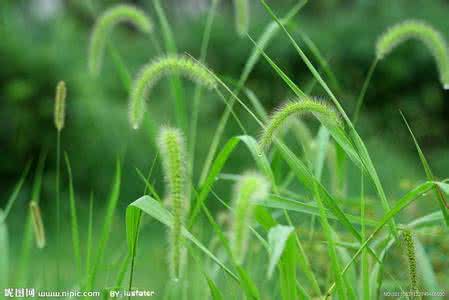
<point x="173" y="155"/>
<point x="149" y="75"/>
<point x="250" y="188"/>
<point x="423" y="32"/>
<point x="281" y="116"/>
<point x="104" y="25"/>
<point x="38" y="225"/>
<point x="59" y="109"/>
<point x="411" y="256"/>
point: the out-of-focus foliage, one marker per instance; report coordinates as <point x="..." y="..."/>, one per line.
<point x="43" y="42"/>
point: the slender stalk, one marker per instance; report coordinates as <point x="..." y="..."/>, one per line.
<point x="58" y="203"/>
<point x="361" y="97"/>
<point x="364" y="264"/>
<point x="198" y="88"/>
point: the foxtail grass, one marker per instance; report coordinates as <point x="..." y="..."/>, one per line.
<point x="104" y="25"/>
<point x="38" y="225"/>
<point x="172" y="152"/>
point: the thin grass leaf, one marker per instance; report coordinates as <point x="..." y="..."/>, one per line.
<point x="220" y="161"/>
<point x="425" y="269"/>
<point x="396" y="209"/>
<point x="107" y="224"/>
<point x="73" y="216"/>
<point x="287" y="269"/>
<point x="4" y="250"/>
<point x="214" y="290"/>
<point x="355" y="138"/>
<point x="89" y="234"/>
<point x="439" y="195"/>
<point x="27" y="240"/>
<point x="15" y="193"/>
<point x="155" y="209"/>
<point x="277" y="239"/>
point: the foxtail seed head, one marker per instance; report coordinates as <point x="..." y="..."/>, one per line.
<point x="152" y="72"/>
<point x="172" y="150"/>
<point x="59" y="110"/>
<point x="242" y="16"/>
<point x="322" y="111"/>
<point x="423" y="32"/>
<point x="104" y="25"/>
<point x="250" y="188"/>
<point x="410" y="247"/>
<point x="38" y="225"/>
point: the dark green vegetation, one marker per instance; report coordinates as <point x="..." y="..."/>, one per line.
<point x="346" y="196"/>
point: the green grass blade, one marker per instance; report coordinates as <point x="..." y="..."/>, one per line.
<point x="265" y="38"/>
<point x="214" y="290"/>
<point x="106" y="231"/>
<point x="155" y="209"/>
<point x="335" y="263"/>
<point x="73" y="217"/>
<point x="364" y="266"/>
<point x="361" y="96"/>
<point x="26" y="246"/>
<point x="438" y="193"/>
<point x="356" y="139"/>
<point x="220" y="161"/>
<point x="277" y="239"/>
<point x="89" y="234"/>
<point x="4" y="250"/>
<point x="15" y="193"/>
<point x="281" y="202"/>
<point x="396" y="209"/>
<point x="287" y="271"/>
<point x="424" y="266"/>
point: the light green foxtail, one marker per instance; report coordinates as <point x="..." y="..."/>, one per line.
<point x="172" y="150"/>
<point x="59" y="109"/>
<point x="104" y="25"/>
<point x="411" y="255"/>
<point x="307" y="105"/>
<point x="423" y="32"/>
<point x="149" y="75"/>
<point x="242" y="16"/>
<point x="250" y="188"/>
<point x="38" y="225"/>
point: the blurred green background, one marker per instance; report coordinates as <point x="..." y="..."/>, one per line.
<point x="44" y="41"/>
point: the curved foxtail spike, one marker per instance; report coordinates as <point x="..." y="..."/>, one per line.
<point x="423" y="32"/>
<point x="250" y="188"/>
<point x="242" y="16"/>
<point x="38" y="225"/>
<point x="59" y="109"/>
<point x="106" y="22"/>
<point x="281" y="116"/>
<point x="172" y="150"/>
<point x="152" y="72"/>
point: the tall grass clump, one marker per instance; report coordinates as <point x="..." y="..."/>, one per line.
<point x="172" y="148"/>
<point x="104" y="25"/>
<point x="292" y="108"/>
<point x="250" y="187"/>
<point x="242" y="16"/>
<point x="419" y="30"/>
<point x="152" y="72"/>
<point x="38" y="225"/>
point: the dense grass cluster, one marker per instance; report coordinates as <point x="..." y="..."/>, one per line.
<point x="306" y="234"/>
